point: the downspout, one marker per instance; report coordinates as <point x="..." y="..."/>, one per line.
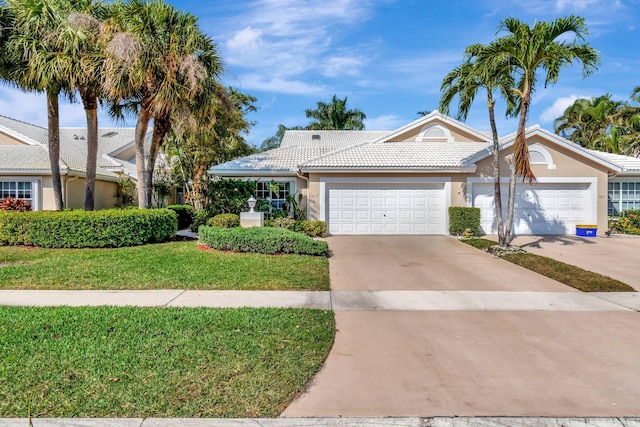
<point x="300" y="175"/>
<point x="66" y="181"/>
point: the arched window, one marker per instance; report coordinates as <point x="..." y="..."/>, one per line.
<point x="538" y="155"/>
<point x="435" y="133"/>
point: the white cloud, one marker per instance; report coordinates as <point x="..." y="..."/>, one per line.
<point x="337" y="66"/>
<point x="280" y="85"/>
<point x="384" y="122"/>
<point x="558" y="107"/>
<point x="574" y="5"/>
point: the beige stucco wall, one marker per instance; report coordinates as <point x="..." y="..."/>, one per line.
<point x="457" y="134"/>
<point x="9" y="140"/>
<point x="73" y="193"/>
<point x="568" y="165"/>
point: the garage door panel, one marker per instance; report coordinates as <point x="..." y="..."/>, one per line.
<point x="546" y="208"/>
<point x="387" y="209"/>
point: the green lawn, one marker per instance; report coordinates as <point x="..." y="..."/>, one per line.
<point x="173" y="265"/>
<point x="570" y="275"/>
<point x="157" y="362"/>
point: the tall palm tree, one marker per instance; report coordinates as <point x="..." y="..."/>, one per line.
<point x="155" y="64"/>
<point x="588" y="121"/>
<point x="80" y="39"/>
<point x="529" y="50"/>
<point x="335" y="116"/>
<point x="38" y="64"/>
<point x="464" y="82"/>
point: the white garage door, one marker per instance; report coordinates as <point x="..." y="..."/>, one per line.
<point x="540" y="208"/>
<point x="387" y="209"/>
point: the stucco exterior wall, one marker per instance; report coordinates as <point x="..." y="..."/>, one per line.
<point x="73" y="193"/>
<point x="458" y="135"/>
<point x="567" y="165"/>
<point x="9" y="140"/>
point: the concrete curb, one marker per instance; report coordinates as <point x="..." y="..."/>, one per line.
<point x="304" y="422"/>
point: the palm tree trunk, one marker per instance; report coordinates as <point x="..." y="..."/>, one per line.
<point x="160" y="130"/>
<point x="90" y="102"/>
<point x="497" y="193"/>
<point x="508" y="237"/>
<point x="53" y="116"/>
<point x="140" y="135"/>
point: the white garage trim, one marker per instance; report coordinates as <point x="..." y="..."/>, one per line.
<point x="328" y="181"/>
<point x="591" y="204"/>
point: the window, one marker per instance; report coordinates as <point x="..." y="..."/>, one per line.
<point x="276" y="192"/>
<point x="623" y="196"/>
<point x="22" y="190"/>
<point x="435" y="133"/>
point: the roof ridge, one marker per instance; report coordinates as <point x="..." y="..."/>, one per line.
<point x="339" y="150"/>
<point x="22" y="121"/>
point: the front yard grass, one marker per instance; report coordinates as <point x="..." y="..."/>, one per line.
<point x="570" y="275"/>
<point x="157" y="362"/>
<point x="173" y="265"/>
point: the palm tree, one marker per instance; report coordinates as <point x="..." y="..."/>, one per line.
<point x="81" y="41"/>
<point x="464" y="82"/>
<point x="588" y="122"/>
<point x="156" y="64"/>
<point x="36" y="63"/>
<point x="527" y="50"/>
<point x="335" y="116"/>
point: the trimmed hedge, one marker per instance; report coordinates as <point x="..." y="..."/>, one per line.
<point x="263" y="240"/>
<point x="464" y="218"/>
<point x="224" y="221"/>
<point x="185" y="215"/>
<point x="109" y="228"/>
<point x="307" y="227"/>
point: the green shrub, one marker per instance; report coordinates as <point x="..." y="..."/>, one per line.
<point x="200" y="218"/>
<point x="310" y="228"/>
<point x="263" y="240"/>
<point x="627" y="223"/>
<point x="185" y="215"/>
<point x="87" y="229"/>
<point x="229" y="195"/>
<point x="224" y="221"/>
<point x="462" y="219"/>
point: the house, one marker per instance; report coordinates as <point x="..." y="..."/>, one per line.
<point x="25" y="170"/>
<point x="403" y="181"/>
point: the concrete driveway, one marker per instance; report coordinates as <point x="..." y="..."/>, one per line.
<point x="467" y="362"/>
<point x="615" y="257"/>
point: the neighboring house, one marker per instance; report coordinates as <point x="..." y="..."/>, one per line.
<point x="25" y="170"/>
<point x="403" y="181"/>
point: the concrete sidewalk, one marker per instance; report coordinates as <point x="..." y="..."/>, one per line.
<point x="325" y="422"/>
<point x="337" y="300"/>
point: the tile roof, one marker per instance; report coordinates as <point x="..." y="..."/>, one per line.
<point x="297" y="146"/>
<point x="628" y="164"/>
<point x="15" y="158"/>
<point x="73" y="148"/>
<point x="400" y="155"/>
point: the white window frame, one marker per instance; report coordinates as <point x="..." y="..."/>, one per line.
<point x="621" y="181"/>
<point x="36" y="201"/>
<point x="548" y="160"/>
<point x="278" y="180"/>
<point x="422" y="136"/>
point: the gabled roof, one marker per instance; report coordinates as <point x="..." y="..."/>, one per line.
<point x="402" y="155"/>
<point x="508" y="141"/>
<point x="432" y="117"/>
<point x="297" y="146"/>
<point x="73" y="149"/>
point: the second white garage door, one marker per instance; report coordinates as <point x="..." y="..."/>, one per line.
<point x="387" y="209"/>
<point x="540" y="208"/>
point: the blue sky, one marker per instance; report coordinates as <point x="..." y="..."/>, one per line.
<point x="387" y="57"/>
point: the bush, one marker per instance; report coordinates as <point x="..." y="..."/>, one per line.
<point x="14" y="205"/>
<point x="263" y="240"/>
<point x="229" y="195"/>
<point x="627" y="223"/>
<point x="224" y="221"/>
<point x="462" y="219"/>
<point x="311" y="228"/>
<point x="200" y="218"/>
<point x="87" y="229"/>
<point x="303" y="226"/>
<point x="185" y="215"/>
